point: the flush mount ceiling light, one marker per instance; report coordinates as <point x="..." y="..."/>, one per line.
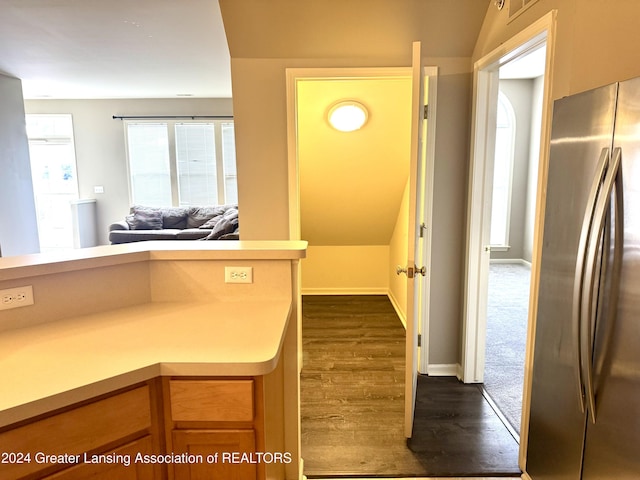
<point x="347" y="116"/>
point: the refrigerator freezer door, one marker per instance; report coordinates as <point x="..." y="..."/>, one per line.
<point x="582" y="128"/>
<point x="611" y="448"/>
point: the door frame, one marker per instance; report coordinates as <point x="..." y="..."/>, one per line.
<point x="428" y="150"/>
<point x="485" y="90"/>
<point x="428" y="154"/>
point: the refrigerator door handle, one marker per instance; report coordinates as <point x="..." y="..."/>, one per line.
<point x="579" y="280"/>
<point x="602" y="211"/>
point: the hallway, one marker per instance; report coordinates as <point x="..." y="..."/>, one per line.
<point x="352" y="405"/>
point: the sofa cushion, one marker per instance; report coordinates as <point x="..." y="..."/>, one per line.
<point x="127" y="236"/>
<point x="145" y="218"/>
<point x="174" y="217"/>
<point x="192" y="234"/>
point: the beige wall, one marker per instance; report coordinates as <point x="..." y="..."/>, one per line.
<point x="445" y="274"/>
<point x="596" y="40"/>
<point x="398" y="252"/>
<point x="346" y="269"/>
<point x="259" y="104"/>
<point x="265" y="39"/>
<point x="100" y="146"/>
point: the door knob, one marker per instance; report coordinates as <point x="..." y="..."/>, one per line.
<point x="400" y="270"/>
<point x="411" y="271"/>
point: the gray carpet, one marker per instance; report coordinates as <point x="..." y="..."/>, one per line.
<point x="507" y="313"/>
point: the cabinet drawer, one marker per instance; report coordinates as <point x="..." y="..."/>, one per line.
<point x="212" y="400"/>
<point x="123" y="468"/>
<point x="76" y="431"/>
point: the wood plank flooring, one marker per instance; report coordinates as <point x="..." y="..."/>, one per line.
<point x="352" y="386"/>
<point x="352" y="402"/>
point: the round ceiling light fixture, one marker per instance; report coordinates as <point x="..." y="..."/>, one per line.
<point x="347" y="116"/>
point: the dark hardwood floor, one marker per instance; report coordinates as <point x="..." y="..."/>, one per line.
<point x="352" y="402"/>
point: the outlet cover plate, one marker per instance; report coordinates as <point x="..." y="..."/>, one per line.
<point x="16" y="297"/>
<point x="238" y="274"/>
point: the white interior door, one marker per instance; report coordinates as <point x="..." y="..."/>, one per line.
<point x="415" y="272"/>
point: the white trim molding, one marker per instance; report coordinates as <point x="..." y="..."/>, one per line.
<point x="344" y="291"/>
<point x="396" y="307"/>
<point x="445" y="370"/>
<point x="485" y="89"/>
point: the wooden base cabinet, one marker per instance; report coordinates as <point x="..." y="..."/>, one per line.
<point x="175" y="428"/>
<point x="219" y="422"/>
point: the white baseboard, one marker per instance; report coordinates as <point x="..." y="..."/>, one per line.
<point x="396" y="307"/>
<point x="516" y="261"/>
<point x="344" y="291"/>
<point x="445" y="370"/>
<point x="360" y="291"/>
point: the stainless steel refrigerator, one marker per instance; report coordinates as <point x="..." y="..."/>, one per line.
<point x="585" y="401"/>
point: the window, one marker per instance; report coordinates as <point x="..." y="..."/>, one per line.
<point x="53" y="172"/>
<point x="502" y="174"/>
<point x="181" y="163"/>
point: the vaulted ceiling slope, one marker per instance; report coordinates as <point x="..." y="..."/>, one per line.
<point x="351" y="28"/>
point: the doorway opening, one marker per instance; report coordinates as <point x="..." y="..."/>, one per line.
<point x="515" y="177"/>
<point x="55" y="181"/>
<point x="518" y="245"/>
<point x="352" y="204"/>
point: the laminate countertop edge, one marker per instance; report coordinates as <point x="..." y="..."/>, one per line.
<point x="52" y="366"/>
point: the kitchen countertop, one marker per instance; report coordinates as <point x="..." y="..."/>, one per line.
<point x="85" y="258"/>
<point x="49" y="366"/>
<point x="144" y="310"/>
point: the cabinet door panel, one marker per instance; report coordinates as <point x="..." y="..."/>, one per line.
<point x="209" y="442"/>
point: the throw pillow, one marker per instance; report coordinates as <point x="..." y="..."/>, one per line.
<point x="199" y="215"/>
<point x="211" y="223"/>
<point x="227" y="224"/>
<point x="145" y="218"/>
<point x="174" y="217"/>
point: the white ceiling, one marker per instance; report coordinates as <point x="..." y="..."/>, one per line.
<point x="168" y="48"/>
<point x="115" y="48"/>
<point x="530" y="65"/>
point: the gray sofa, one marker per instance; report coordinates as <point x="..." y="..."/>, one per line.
<point x="218" y="222"/>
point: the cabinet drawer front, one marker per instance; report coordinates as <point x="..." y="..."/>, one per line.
<point x="123" y="468"/>
<point x="212" y="400"/>
<point x="76" y="431"/>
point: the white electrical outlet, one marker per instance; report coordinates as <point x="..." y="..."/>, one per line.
<point x="16" y="297"/>
<point x="238" y="274"/>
